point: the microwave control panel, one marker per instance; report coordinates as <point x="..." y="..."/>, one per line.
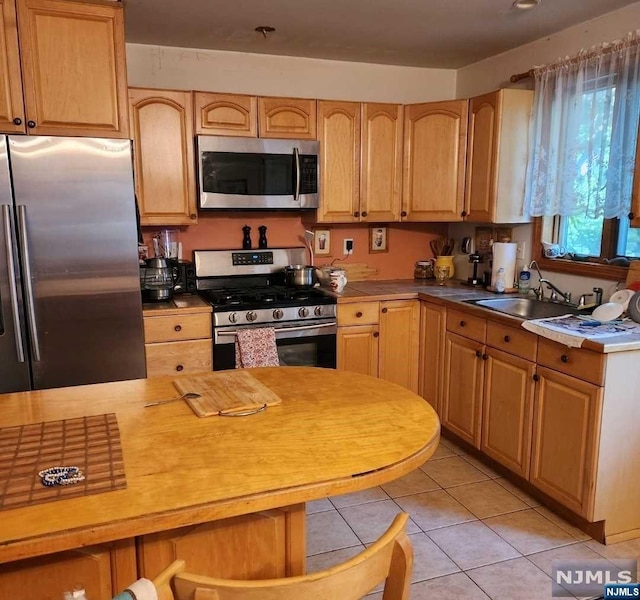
<point x="308" y="174"/>
<point x="251" y="258"/>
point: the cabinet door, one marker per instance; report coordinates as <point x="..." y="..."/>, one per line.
<point x="480" y="192"/>
<point x="399" y="342"/>
<point x="508" y="410"/>
<point x="462" y="390"/>
<point x="226" y="114"/>
<point x="11" y="103"/>
<point x="73" y="68"/>
<point x="291" y="118"/>
<point x="432" y="331"/>
<point x="357" y="349"/>
<point x="162" y="131"/>
<point x="381" y="168"/>
<point x="566" y="432"/>
<point x="103" y="571"/>
<point x="265" y="545"/>
<point x="339" y="134"/>
<point x="435" y="142"/>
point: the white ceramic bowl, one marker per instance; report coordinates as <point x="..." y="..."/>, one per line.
<point x="608" y="311"/>
<point x="622" y="297"/>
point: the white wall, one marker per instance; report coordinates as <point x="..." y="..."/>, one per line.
<point x="493" y="73"/>
<point x="267" y="75"/>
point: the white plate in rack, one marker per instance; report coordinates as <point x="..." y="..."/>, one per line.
<point x="622" y="297"/>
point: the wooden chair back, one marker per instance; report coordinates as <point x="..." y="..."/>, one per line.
<point x="390" y="559"/>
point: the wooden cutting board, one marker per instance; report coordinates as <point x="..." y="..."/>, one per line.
<point x="226" y="393"/>
<point x="633" y="274"/>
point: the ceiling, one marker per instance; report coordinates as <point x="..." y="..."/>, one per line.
<point x="421" y="33"/>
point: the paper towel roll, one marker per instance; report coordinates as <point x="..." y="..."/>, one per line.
<point x="504" y="255"/>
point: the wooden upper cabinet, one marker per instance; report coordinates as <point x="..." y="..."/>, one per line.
<point x="435" y="138"/>
<point x="73" y="68"/>
<point x="381" y="168"/>
<point x="497" y="156"/>
<point x="226" y="114"/>
<point x="162" y="131"/>
<point x="634" y="215"/>
<point x="11" y="102"/>
<point x="291" y="118"/>
<point x="339" y="135"/>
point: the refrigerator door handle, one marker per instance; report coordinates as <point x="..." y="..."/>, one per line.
<point x="28" y="284"/>
<point x="13" y="290"/>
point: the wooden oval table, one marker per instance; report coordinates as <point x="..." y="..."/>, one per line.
<point x="226" y="494"/>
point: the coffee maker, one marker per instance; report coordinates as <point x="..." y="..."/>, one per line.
<point x="158" y="280"/>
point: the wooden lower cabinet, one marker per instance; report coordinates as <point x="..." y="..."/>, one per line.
<point x="103" y="571"/>
<point x="432" y="333"/>
<point x="264" y="545"/>
<point x="357" y="349"/>
<point x="566" y="435"/>
<point x="463" y="387"/>
<point x="507" y="410"/>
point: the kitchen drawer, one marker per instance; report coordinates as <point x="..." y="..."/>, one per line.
<point x="512" y="340"/>
<point x="177" y="327"/>
<point x="359" y="313"/>
<point x="173" y="358"/>
<point x="467" y="325"/>
<point x="577" y="362"/>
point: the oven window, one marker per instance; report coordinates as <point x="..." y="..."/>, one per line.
<point x="316" y="351"/>
<point x="248" y="174"/>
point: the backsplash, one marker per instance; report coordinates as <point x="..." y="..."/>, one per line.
<point x="407" y="242"/>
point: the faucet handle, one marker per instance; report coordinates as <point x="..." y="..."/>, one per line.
<point x="598" y="292"/>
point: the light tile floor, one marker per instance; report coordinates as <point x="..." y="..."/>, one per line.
<point x="475" y="535"/>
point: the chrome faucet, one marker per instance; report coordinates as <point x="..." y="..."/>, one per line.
<point x="597" y="292"/>
<point x="556" y="292"/>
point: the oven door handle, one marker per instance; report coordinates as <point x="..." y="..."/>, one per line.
<point x="286" y="329"/>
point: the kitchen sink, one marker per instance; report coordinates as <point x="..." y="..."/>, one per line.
<point x="528" y="308"/>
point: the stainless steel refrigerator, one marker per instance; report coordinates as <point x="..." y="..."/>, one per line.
<point x="70" y="306"/>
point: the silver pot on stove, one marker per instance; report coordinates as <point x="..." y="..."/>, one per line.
<point x="299" y="275"/>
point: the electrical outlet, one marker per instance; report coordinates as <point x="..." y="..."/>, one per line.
<point x="348" y="246"/>
<point x="520" y="250"/>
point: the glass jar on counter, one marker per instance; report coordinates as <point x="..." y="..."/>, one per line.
<point x="423" y="270"/>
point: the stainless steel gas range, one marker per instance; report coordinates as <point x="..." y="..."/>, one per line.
<point x="246" y="290"/>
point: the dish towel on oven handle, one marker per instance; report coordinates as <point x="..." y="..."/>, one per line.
<point x="256" y="348"/>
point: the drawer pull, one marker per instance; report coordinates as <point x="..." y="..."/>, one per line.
<point x="178" y="328"/>
<point x="385" y="310"/>
<point x="376" y="334"/>
<point x="358" y="314"/>
<point x="564" y="358"/>
<point x="507" y="338"/>
<point x="179" y="368"/>
<point x="462" y="323"/>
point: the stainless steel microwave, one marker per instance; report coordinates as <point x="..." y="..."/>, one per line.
<point x="236" y="172"/>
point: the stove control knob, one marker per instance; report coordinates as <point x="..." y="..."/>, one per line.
<point x="233" y="318"/>
<point x="317" y="311"/>
<point x="251" y="316"/>
<point x="304" y="312"/>
<point x="278" y="314"/>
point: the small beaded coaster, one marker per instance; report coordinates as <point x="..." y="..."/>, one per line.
<point x="61" y="476"/>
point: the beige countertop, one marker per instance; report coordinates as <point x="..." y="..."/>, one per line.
<point x="179" y="304"/>
<point x="454" y="294"/>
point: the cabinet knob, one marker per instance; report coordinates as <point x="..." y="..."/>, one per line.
<point x="364" y="213"/>
<point x="462" y="323"/>
<point x="17" y="121"/>
<point x="507" y="338"/>
<point x="478" y="353"/>
<point x="376" y="334"/>
<point x="463" y="213"/>
<point x="403" y="213"/>
<point x="358" y="314"/>
<point x="178" y="328"/>
<point x="31" y="124"/>
<point x="485" y="357"/>
<point x="193" y="217"/>
<point x="536" y="377"/>
<point x="179" y="368"/>
<point x="356" y="214"/>
<point x="385" y="310"/>
<point x="564" y="358"/>
<point x="632" y="216"/>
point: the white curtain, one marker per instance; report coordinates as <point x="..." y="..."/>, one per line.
<point x="583" y="133"/>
